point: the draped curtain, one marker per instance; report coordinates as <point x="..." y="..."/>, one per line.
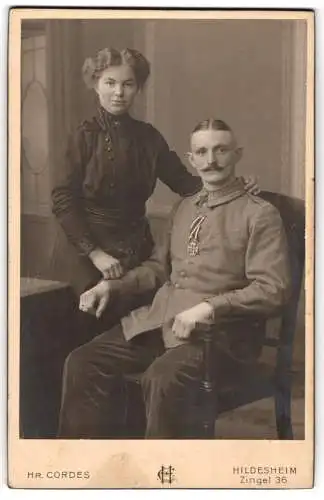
<point x="64" y="62"/>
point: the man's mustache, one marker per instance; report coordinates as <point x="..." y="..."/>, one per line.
<point x="212" y="167"/>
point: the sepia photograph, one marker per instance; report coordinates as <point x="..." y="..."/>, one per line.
<point x="161" y="176"/>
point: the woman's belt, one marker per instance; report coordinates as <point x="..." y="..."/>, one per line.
<point x="114" y="218"/>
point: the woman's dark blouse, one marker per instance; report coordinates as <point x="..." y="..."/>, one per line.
<point x="112" y="165"/>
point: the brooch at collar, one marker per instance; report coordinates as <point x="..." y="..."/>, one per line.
<point x="193" y="240"/>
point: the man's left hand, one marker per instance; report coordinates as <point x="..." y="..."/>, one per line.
<point x="186" y="321"/>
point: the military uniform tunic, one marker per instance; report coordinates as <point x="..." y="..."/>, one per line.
<point x="242" y="268"/>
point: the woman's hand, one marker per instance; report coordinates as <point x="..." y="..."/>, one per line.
<point x="109" y="266"/>
<point x="95" y="300"/>
<point x="251" y="184"/>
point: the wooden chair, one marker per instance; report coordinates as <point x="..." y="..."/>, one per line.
<point x="263" y="380"/>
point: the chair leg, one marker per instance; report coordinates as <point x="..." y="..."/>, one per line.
<point x="209" y="410"/>
<point x="283" y="383"/>
<point x="209" y="403"/>
<point x="284" y="427"/>
<point x="283" y="415"/>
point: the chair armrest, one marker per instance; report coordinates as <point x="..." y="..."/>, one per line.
<point x="206" y="334"/>
<point x="208" y="382"/>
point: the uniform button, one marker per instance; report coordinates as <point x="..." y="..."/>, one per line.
<point x="109" y="149"/>
<point x="176" y="285"/>
<point x="183" y="274"/>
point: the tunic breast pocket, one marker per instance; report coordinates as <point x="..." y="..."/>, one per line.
<point x="231" y="241"/>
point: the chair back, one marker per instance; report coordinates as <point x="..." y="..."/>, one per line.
<point x="292" y="212"/>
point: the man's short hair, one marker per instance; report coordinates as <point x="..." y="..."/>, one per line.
<point x="212" y="124"/>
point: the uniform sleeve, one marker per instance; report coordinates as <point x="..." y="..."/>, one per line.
<point x="67" y="192"/>
<point x="267" y="270"/>
<point x="173" y="172"/>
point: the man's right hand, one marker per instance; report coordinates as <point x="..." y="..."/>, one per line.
<point x="95" y="300"/>
<point x="110" y="267"/>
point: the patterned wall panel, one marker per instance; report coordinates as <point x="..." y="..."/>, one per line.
<point x="35" y="161"/>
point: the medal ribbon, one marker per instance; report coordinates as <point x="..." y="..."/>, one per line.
<point x="195" y="227"/>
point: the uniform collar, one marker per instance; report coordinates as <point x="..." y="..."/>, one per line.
<point x="107" y="120"/>
<point x="222" y="195"/>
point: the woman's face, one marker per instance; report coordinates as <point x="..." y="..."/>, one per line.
<point x="117" y="88"/>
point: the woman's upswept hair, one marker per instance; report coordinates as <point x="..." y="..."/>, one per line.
<point x="212" y="124"/>
<point x="105" y="58"/>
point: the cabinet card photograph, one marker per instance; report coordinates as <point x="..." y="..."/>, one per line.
<point x="161" y="248"/>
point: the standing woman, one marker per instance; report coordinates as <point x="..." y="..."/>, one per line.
<point x="112" y="164"/>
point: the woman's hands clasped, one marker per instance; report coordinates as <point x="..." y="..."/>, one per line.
<point x="109" y="267"/>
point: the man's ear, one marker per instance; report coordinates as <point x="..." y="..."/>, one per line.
<point x="189" y="155"/>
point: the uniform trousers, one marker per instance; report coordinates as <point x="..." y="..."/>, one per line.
<point x="92" y="406"/>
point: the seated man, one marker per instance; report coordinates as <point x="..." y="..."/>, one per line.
<point x="225" y="262"/>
